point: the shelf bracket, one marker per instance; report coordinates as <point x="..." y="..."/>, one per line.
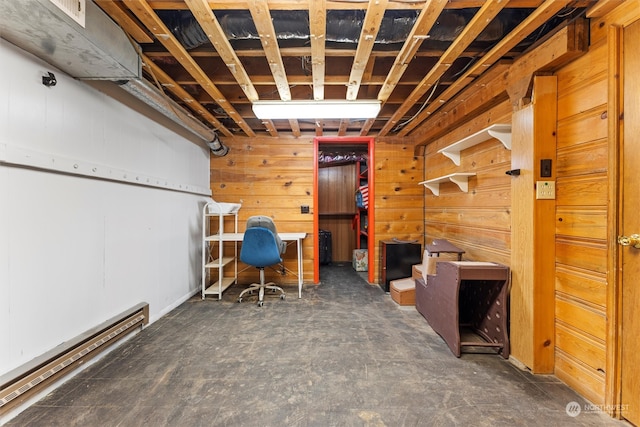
<point x="501" y="132"/>
<point x="460" y="179"/>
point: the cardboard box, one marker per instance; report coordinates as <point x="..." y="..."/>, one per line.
<point x="360" y="260"/>
<point x="403" y="291"/>
<point x="416" y="271"/>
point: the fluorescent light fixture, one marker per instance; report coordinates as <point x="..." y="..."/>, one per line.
<point x="337" y="109"/>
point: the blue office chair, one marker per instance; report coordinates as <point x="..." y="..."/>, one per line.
<point x="261" y="247"/>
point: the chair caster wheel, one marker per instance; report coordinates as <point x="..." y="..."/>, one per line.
<point x="239" y="299"/>
<point x="282" y="296"/>
<point x="260" y="303"/>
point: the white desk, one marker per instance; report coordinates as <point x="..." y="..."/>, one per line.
<point x="289" y="238"/>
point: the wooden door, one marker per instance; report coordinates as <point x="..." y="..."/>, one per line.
<point x="630" y="224"/>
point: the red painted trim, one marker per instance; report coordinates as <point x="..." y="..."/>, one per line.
<point x="316" y="220"/>
<point x="371" y="238"/>
<point x="370" y="212"/>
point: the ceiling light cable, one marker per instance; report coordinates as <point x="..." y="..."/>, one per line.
<point x="399" y="126"/>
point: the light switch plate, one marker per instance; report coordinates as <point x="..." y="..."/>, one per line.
<point x="545" y="189"/>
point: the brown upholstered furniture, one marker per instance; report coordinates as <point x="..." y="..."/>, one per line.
<point x="467" y="294"/>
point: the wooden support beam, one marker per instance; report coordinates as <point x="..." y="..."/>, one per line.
<point x="370" y="28"/>
<point x="118" y="13"/>
<point x="543" y="13"/>
<point x="154" y="24"/>
<point x="533" y="231"/>
<point x="317" y="33"/>
<point x="486" y="91"/>
<point x="262" y="19"/>
<point x="427" y="18"/>
<point x="478" y="23"/>
<point x="562" y="47"/>
<point x="169" y="84"/>
<point x="211" y="27"/>
<point x="500" y="113"/>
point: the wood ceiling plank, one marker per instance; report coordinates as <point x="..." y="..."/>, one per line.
<point x="370" y="28"/>
<point x="478" y="23"/>
<point x="172" y="86"/>
<point x="262" y="19"/>
<point x="154" y="24"/>
<point x="539" y="16"/>
<point x="318" y="30"/>
<point x="428" y="16"/>
<point x="211" y="27"/>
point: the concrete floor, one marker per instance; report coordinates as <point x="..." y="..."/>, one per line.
<point x="343" y="355"/>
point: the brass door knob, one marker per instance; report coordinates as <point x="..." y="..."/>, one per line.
<point x="633" y="240"/>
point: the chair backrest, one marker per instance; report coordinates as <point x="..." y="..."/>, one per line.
<point x="261" y="221"/>
<point x="259" y="247"/>
<point x="266" y="222"/>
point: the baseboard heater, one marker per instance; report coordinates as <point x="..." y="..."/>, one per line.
<point x="25" y="381"/>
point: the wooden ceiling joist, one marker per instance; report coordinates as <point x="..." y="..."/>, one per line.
<point x="262" y="20"/>
<point x="317" y="34"/>
<point x="415" y="57"/>
<point x="370" y="28"/>
<point x="428" y="16"/>
<point x="479" y="22"/>
<point x="154" y="24"/>
<point x="169" y="84"/>
<point x="122" y="18"/>
<point x="533" y="21"/>
<point x="210" y="25"/>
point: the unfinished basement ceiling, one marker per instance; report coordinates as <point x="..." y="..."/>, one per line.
<point x="217" y="57"/>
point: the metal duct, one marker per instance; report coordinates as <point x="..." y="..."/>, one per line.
<point x="155" y="98"/>
<point x="343" y="26"/>
<point x="99" y="50"/>
<point x="217" y="148"/>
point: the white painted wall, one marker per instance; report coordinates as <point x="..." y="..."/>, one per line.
<point x="76" y="250"/>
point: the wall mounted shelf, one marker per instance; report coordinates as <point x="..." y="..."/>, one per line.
<point x="460" y="179"/>
<point x="501" y="132"/>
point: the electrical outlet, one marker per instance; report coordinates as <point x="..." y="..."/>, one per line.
<point x="545" y="189"/>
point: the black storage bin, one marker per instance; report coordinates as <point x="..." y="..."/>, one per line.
<point x="324" y="240"/>
<point x="397" y="258"/>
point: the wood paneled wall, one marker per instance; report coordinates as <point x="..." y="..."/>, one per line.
<point x="581" y="224"/>
<point x="399" y="200"/>
<point x="274" y="176"/>
<point x="478" y="221"/>
<point x="271" y="177"/>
